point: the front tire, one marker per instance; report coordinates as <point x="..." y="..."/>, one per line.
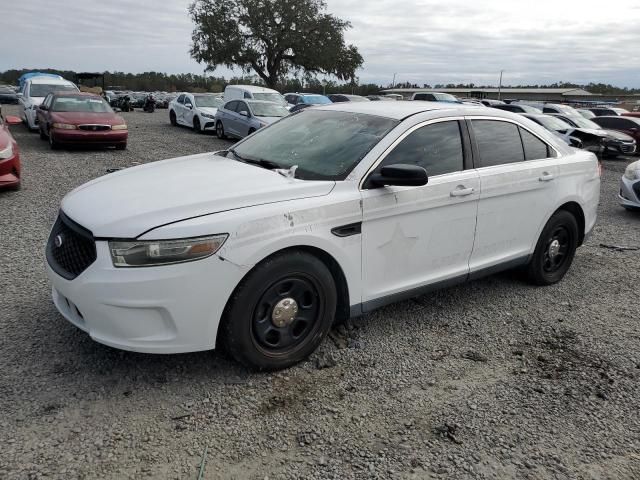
<point x="280" y="312"/>
<point x="220" y="131"/>
<point x="43" y="136"/>
<point x="555" y="249"/>
<point x="52" y="143"/>
<point x="196" y="125"/>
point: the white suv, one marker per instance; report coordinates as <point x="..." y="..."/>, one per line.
<point x="33" y="92"/>
<point x="328" y="213"/>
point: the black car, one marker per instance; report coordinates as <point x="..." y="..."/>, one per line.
<point x="8" y="95"/>
<point x="616" y="143"/>
<point x="343" y="97"/>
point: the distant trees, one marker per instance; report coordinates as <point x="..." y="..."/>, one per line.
<point x="273" y="38"/>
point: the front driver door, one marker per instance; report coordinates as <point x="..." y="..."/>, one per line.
<point x="418" y="236"/>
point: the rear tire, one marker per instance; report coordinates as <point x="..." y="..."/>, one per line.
<point x="220" y="130"/>
<point x="280" y="312"/>
<point x="172" y="118"/>
<point x="555" y="250"/>
<point x="251" y="130"/>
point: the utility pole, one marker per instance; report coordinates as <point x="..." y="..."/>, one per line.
<point x="393" y="84"/>
<point x="500" y="86"/>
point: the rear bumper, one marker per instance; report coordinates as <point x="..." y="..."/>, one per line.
<point x="108" y="137"/>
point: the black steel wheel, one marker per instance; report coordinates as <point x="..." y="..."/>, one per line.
<point x="280" y="312"/>
<point x="555" y="249"/>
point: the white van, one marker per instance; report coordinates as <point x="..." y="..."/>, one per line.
<point x="33" y="92"/>
<point x="238" y="92"/>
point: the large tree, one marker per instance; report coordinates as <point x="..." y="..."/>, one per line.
<point x="272" y="38"/>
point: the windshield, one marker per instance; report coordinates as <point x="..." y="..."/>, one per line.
<point x="325" y="145"/>
<point x="582" y="122"/>
<point x="553" y="123"/>
<point x="80" y="104"/>
<point x="268" y="110"/>
<point x="270" y="97"/>
<point x="315" y="100"/>
<point x="208" y="101"/>
<point x="445" y="97"/>
<point x="43" y="89"/>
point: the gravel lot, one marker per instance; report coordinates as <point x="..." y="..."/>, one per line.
<point x="494" y="379"/>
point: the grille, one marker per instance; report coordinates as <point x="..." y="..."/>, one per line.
<point x="95" y="128"/>
<point x="70" y="249"/>
<point x="628" y="148"/>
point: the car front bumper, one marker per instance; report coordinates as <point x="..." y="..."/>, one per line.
<point x="165" y="309"/>
<point x="83" y="137"/>
<point x="629" y="195"/>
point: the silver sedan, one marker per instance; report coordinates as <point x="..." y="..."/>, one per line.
<point x="239" y="118"/>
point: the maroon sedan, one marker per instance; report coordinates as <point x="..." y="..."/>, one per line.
<point x="9" y="154"/>
<point x="80" y="119"/>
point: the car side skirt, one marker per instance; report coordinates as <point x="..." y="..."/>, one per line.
<point x="370" y="305"/>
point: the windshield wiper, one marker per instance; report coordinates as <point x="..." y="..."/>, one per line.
<point x="259" y="161"/>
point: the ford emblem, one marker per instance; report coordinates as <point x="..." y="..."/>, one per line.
<point x="58" y="241"/>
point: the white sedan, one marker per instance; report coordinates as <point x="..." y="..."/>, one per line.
<point x="328" y="213"/>
<point x="195" y="110"/>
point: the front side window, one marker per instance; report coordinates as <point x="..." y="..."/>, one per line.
<point x="498" y="142"/>
<point x="231" y="106"/>
<point x="437" y="148"/>
<point x="180" y="99"/>
<point x="534" y="148"/>
<point x="325" y="145"/>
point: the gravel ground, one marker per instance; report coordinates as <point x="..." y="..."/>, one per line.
<point x="494" y="379"/>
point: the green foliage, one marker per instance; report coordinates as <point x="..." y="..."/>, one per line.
<point x="273" y="38"/>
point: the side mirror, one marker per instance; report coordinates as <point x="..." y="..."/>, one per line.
<point x="244" y="113"/>
<point x="400" y="175"/>
<point x="189" y="106"/>
<point x="19" y="94"/>
<point x="12" y="120"/>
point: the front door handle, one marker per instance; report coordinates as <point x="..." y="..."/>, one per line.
<point x="461" y="191"/>
<point x="546" y="177"/>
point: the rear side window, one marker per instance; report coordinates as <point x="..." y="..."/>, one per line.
<point x="605" y="122"/>
<point x="180" y="99"/>
<point x="534" y="148"/>
<point x="424" y="96"/>
<point x="498" y="142"/>
<point x="549" y="110"/>
<point x="247" y="95"/>
<point x="437" y="148"/>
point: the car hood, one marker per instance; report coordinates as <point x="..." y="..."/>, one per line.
<point x="268" y="120"/>
<point x="79" y="118"/>
<point x="133" y="201"/>
<point x="208" y="110"/>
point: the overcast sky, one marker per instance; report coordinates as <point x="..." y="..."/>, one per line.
<point x="423" y="41"/>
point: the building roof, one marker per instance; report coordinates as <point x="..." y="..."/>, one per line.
<point x="505" y="91"/>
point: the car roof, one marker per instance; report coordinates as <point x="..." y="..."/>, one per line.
<point x="252" y="88"/>
<point x="49" y="80"/>
<point x="252" y="101"/>
<point x="403" y="109"/>
<point x="76" y="94"/>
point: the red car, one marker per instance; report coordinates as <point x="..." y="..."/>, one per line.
<point x="80" y="119"/>
<point x="9" y="154"/>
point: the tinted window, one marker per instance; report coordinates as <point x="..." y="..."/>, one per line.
<point x="549" y="110"/>
<point x="242" y="107"/>
<point x="623" y="124"/>
<point x="187" y="101"/>
<point x="181" y="99"/>
<point x="247" y="95"/>
<point x="437" y="148"/>
<point x="498" y="142"/>
<point x="605" y="122"/>
<point x="534" y="148"/>
<point x="424" y="96"/>
<point x="232" y="106"/>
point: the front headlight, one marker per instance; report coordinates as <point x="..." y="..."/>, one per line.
<point x="7" y="152"/>
<point x="633" y="171"/>
<point x="122" y="126"/>
<point x="208" y="115"/>
<point x="148" y="253"/>
<point x="64" y="126"/>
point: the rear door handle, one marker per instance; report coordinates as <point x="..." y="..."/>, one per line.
<point x="461" y="191"/>
<point x="546" y="177"/>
